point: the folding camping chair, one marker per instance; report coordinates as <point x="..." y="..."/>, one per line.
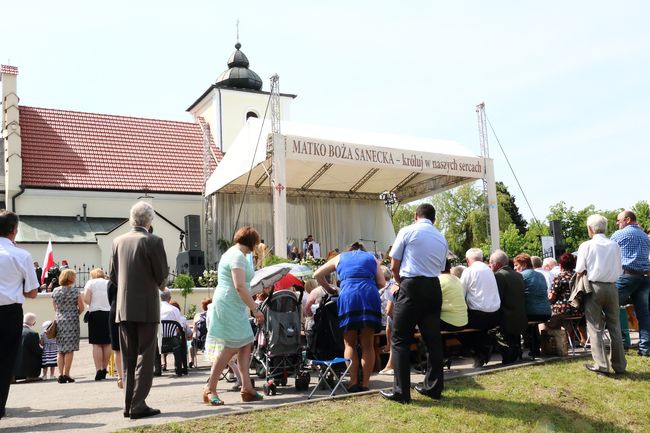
<point x="324" y="368"/>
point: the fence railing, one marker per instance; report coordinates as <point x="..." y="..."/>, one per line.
<point x="83" y="275"/>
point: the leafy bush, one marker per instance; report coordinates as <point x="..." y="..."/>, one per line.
<point x="191" y="312"/>
<point x="208" y="279"/>
<point x="313" y="263"/>
<point x="224" y="244"/>
<point x="274" y="260"/>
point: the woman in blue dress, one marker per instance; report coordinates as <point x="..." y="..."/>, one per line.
<point x="229" y="331"/>
<point x="359" y="307"/>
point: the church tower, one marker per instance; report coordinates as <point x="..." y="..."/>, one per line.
<point x="235" y="96"/>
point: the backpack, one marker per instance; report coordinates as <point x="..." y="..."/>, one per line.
<point x="325" y="338"/>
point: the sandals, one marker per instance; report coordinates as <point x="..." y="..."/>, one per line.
<point x="211" y="399"/>
<point x="247" y="397"/>
<point x="120" y="383"/>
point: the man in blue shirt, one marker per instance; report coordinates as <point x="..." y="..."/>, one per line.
<point x="417" y="258"/>
<point x="635" y="281"/>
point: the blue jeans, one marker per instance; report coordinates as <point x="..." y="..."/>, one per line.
<point x="637" y="287"/>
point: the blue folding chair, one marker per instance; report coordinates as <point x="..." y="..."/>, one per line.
<point x="324" y="368"/>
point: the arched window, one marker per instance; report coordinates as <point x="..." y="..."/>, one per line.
<point x="251" y="114"/>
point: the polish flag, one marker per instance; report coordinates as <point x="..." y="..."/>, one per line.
<point x="48" y="261"/>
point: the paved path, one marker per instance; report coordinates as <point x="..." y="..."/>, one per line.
<point x="94" y="407"/>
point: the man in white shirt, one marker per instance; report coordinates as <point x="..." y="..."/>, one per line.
<point x="170" y="312"/>
<point x="550" y="264"/>
<point x="17" y="281"/>
<point x="600" y="259"/>
<point x="483" y="303"/>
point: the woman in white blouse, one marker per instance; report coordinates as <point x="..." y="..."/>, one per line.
<point x="96" y="296"/>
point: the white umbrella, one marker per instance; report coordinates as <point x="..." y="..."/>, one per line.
<point x="268" y="276"/>
<point x="298" y="270"/>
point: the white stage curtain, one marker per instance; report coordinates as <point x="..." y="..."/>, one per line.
<point x="334" y="222"/>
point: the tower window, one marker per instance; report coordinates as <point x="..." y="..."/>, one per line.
<point x="251" y="114"/>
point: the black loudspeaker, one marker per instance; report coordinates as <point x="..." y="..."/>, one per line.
<point x="190" y="262"/>
<point x="558" y="239"/>
<point x="193" y="232"/>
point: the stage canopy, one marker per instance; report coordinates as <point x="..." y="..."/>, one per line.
<point x="324" y="170"/>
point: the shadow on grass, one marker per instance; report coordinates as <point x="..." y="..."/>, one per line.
<point x="541" y="417"/>
<point x="633" y="375"/>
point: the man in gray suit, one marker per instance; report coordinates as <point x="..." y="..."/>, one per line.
<point x="513" y="306"/>
<point x="139" y="268"/>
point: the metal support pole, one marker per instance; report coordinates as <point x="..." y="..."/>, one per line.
<point x="279" y="196"/>
<point x="493" y="211"/>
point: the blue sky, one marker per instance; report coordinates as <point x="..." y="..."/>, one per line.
<point x="565" y="83"/>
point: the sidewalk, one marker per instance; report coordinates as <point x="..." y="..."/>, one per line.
<point x="95" y="407"/>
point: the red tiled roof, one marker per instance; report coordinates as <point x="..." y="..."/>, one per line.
<point x="8" y="69"/>
<point x="75" y="150"/>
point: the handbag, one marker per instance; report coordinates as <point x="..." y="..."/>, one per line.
<point x="51" y="330"/>
<point x="554" y="342"/>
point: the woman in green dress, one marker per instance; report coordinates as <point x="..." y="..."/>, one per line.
<point x="229" y="330"/>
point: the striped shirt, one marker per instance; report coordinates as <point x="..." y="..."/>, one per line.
<point x="635" y="247"/>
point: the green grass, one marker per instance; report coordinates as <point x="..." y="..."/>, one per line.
<point x="553" y="397"/>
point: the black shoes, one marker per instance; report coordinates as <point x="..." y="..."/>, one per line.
<point x="420" y="389"/>
<point x="145" y="413"/>
<point x="65" y="379"/>
<point x="101" y="374"/>
<point x="596" y="369"/>
<point x="394" y="396"/>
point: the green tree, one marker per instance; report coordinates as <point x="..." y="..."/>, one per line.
<point x="403" y="216"/>
<point x="574" y="222"/>
<point x="512" y="242"/>
<point x="642" y="211"/>
<point x="186" y="283"/>
<point x="507" y="201"/>
<point x="462" y="217"/>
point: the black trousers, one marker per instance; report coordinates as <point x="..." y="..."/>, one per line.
<point x="418" y="303"/>
<point x="138" y="344"/>
<point x="480" y="342"/>
<point x="11" y="328"/>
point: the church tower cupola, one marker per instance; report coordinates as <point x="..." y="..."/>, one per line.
<point x="238" y="75"/>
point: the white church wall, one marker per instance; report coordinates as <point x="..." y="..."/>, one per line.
<point x="75" y="254"/>
<point x="174" y="207"/>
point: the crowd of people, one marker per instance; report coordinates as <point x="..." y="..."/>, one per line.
<point x="499" y="299"/>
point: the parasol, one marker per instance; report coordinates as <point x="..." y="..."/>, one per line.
<point x="268" y="276"/>
<point x="298" y="270"/>
<point x="288" y="281"/>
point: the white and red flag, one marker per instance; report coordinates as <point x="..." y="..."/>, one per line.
<point x="48" y="261"/>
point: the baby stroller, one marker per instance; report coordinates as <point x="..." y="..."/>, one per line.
<point x="278" y="352"/>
